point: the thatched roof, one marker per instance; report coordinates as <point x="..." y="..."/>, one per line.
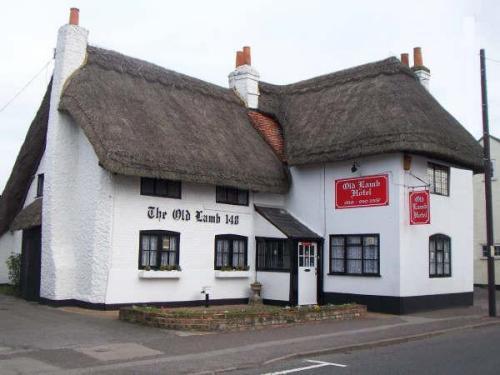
<point x="144" y="120"/>
<point x="29" y="217"/>
<point x="25" y="167"/>
<point x="370" y="109"/>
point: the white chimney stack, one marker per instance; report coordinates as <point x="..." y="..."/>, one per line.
<point x="422" y="72"/>
<point x="71" y="51"/>
<point x="244" y="80"/>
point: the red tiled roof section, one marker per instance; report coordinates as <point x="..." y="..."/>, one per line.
<point x="270" y="130"/>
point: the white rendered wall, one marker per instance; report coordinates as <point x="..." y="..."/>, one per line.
<point x="197" y="245"/>
<point x="452" y="216"/>
<point x="275" y="285"/>
<point x="311" y="199"/>
<point x="10" y="242"/>
<point x="480" y="262"/>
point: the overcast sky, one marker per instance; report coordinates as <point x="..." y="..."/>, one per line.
<point x="290" y="40"/>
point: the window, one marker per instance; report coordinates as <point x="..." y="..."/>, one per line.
<point x="231" y="196"/>
<point x="39" y="185"/>
<point x="439" y="256"/>
<point x="439" y="179"/>
<point x="493" y="167"/>
<point x="231" y="252"/>
<point x="355" y="254"/>
<point x="159" y="250"/>
<point x="485" y="250"/>
<point x="273" y="255"/>
<point x="160" y="188"/>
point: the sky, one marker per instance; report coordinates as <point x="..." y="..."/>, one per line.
<point x="290" y="40"/>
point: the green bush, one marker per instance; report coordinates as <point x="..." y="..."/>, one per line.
<point x="14" y="266"/>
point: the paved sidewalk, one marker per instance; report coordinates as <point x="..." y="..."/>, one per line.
<point x="40" y="339"/>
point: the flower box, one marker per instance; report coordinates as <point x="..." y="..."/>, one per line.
<point x="159" y="274"/>
<point x="232" y="274"/>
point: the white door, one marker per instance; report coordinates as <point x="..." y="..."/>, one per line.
<point x="308" y="259"/>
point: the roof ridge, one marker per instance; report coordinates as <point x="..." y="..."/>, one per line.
<point x="151" y="72"/>
<point x="388" y="66"/>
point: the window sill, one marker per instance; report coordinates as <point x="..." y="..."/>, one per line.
<point x="353" y="274"/>
<point x="232" y="274"/>
<point x="143" y="274"/>
<point x="439" y="276"/>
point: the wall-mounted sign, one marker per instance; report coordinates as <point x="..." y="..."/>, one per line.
<point x="367" y="191"/>
<point x="420" y="204"/>
<point x="198" y="216"/>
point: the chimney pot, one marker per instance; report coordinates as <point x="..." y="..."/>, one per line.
<point x="247" y="59"/>
<point x="405" y="59"/>
<point x="417" y="57"/>
<point x="74" y="16"/>
<point x="239" y="58"/>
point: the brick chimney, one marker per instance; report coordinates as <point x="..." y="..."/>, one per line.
<point x="422" y="72"/>
<point x="244" y="80"/>
<point x="405" y="59"/>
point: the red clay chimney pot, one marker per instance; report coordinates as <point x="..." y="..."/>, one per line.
<point x="417" y="57"/>
<point x="246" y="56"/>
<point x="239" y="58"/>
<point x="74" y="15"/>
<point x="405" y="59"/>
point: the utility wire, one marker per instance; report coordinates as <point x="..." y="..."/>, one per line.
<point x="25" y="86"/>
<point x="497" y="61"/>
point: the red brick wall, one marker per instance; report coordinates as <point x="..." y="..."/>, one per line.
<point x="270" y="130"/>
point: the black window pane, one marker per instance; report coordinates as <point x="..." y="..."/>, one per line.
<point x="231" y="196"/>
<point x="220" y="194"/>
<point x="440" y="256"/>
<point x="243" y="197"/>
<point x="161" y="188"/>
<point x="147" y="186"/>
<point x="232" y="253"/>
<point x="438" y="176"/>
<point x="39" y="187"/>
<point x="158" y="249"/>
<point x="174" y="189"/>
<point x="355" y="254"/>
<point x="272" y="255"/>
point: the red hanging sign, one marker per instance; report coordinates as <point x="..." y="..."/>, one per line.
<point x="420" y="204"/>
<point x="367" y="191"/>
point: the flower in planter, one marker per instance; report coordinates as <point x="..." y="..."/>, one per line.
<point x="238" y="268"/>
<point x="170" y="267"/>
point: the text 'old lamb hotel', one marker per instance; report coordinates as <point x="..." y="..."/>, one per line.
<point x="137" y="184"/>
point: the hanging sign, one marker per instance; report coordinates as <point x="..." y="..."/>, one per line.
<point x="367" y="191"/>
<point x="420" y="204"/>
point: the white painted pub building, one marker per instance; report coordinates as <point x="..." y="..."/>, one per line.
<point x="137" y="184"/>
